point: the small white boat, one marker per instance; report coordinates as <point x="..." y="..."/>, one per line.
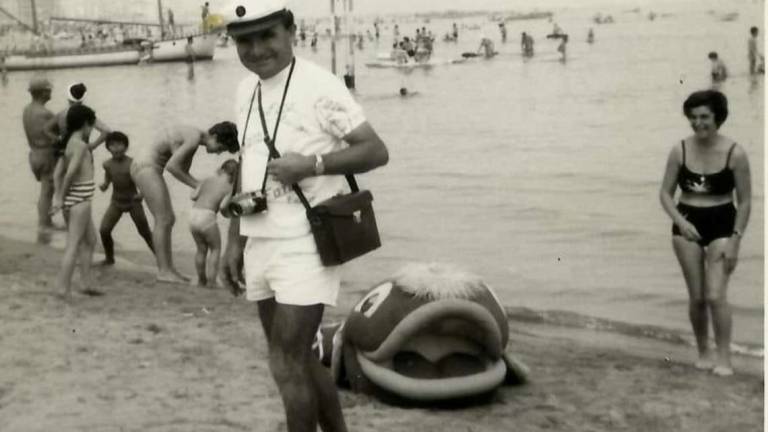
<point x="72" y="58"/>
<point x="175" y="49"/>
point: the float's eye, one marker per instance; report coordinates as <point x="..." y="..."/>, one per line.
<point x="371" y="302"/>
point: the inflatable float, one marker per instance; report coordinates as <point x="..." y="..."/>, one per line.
<point x="385" y="64"/>
<point x="430" y="334"/>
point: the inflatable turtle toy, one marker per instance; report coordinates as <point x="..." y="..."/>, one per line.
<point x="430" y="334"/>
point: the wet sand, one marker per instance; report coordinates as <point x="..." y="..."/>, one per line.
<point x="159" y="357"/>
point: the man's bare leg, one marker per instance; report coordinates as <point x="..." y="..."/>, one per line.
<point x="295" y="327"/>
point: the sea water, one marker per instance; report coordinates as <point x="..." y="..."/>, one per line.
<point x="540" y="175"/>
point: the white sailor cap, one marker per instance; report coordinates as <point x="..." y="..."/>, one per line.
<point x="250" y="16"/>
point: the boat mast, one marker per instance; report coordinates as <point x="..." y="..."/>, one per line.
<point x="34" y="16"/>
<point x="20" y="22"/>
<point x="160" y="15"/>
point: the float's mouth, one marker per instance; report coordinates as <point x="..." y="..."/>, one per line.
<point x="442" y="350"/>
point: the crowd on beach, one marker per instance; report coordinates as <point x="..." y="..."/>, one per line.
<point x="271" y="255"/>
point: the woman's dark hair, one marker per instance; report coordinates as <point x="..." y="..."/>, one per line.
<point x="77" y="116"/>
<point x="226" y="135"/>
<point x="116" y="137"/>
<point x="230" y="167"/>
<point x="712" y="99"/>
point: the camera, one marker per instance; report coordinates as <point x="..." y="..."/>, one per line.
<point x="247" y="203"/>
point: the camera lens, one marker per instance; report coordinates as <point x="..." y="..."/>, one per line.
<point x="235" y="209"/>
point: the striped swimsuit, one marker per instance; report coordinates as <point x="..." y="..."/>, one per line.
<point x="79" y="192"/>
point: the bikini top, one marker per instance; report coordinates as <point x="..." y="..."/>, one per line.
<point x="719" y="183"/>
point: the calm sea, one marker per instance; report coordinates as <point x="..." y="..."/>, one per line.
<point x="539" y="175"/>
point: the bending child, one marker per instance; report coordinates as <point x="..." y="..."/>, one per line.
<point x="125" y="197"/>
<point x="202" y="220"/>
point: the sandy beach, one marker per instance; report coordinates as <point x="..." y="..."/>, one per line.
<point x="154" y="357"/>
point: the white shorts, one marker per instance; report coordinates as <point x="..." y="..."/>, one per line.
<point x="290" y="271"/>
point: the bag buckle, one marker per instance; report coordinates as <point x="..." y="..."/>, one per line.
<point x="357" y="216"/>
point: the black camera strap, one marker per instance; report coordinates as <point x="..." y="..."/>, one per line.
<point x="270" y="142"/>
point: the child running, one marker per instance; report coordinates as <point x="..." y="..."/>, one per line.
<point x="202" y="220"/>
<point x="74" y="196"/>
<point x="125" y="197"/>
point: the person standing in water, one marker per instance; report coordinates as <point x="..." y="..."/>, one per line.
<point x="42" y="159"/>
<point x="190" y="51"/>
<point x="719" y="72"/>
<point x="709" y="220"/>
<point x="173" y="151"/>
<point x="591" y="37"/>
<point x="753" y="54"/>
<point x="562" y="48"/>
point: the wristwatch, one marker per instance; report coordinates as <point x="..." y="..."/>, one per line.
<point x="319" y="165"/>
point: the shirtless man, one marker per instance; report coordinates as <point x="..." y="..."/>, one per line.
<point x="41" y="151"/>
<point x="173" y="151"/>
<point x="74" y="196"/>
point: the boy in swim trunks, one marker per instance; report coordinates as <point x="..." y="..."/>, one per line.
<point x="202" y="220"/>
<point x="125" y="197"/>
<point x="73" y="195"/>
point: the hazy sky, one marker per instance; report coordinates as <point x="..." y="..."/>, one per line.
<point x="322" y="7"/>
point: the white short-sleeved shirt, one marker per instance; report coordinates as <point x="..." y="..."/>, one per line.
<point x="318" y="112"/>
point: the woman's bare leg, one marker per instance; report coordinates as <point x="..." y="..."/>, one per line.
<point x="691" y="258"/>
<point x="722" y="321"/>
<point x="152" y="185"/>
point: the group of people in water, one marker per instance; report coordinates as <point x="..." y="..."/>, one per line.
<point x="419" y="49"/>
<point x="61" y="158"/>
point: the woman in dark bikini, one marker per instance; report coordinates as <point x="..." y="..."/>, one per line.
<point x="709" y="219"/>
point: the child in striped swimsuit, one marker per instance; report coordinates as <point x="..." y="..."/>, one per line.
<point x="74" y="195"/>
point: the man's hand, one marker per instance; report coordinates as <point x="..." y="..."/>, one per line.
<point x="291" y="168"/>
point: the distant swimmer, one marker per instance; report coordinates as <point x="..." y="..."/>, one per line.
<point x="756" y="62"/>
<point x="719" y="72"/>
<point x="41" y="147"/>
<point x="74" y="196"/>
<point x="486" y="47"/>
<point x="313" y="41"/>
<point x="207" y="199"/>
<point x="455" y="32"/>
<point x="591" y="36"/>
<point x="503" y="30"/>
<point x="125" y="197"/>
<point x="173" y="150"/>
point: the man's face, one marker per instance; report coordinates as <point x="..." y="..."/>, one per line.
<point x="266" y="52"/>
